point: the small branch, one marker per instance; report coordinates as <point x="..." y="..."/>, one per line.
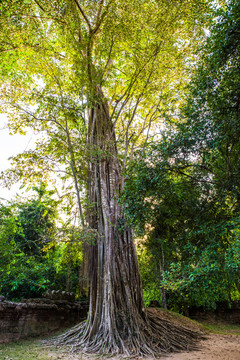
<point x="6" y="50"/>
<point x="84" y="15"/>
<point x="101" y="16"/>
<point x="39" y="5"/>
<point x="98" y="22"/>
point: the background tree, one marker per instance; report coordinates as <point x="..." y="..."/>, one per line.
<point x="27" y="231"/>
<point x="37" y="219"/>
<point x="187" y="186"/>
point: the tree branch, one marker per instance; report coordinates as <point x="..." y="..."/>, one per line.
<point x="98" y="21"/>
<point x="101" y="15"/>
<point x="39" y="5"/>
<point x="83" y="15"/>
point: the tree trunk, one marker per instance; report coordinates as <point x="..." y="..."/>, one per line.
<point x="117" y="321"/>
<point x="115" y="284"/>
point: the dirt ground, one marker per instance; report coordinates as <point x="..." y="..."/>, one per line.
<point x="215" y="347"/>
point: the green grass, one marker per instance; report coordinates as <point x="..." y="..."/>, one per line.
<point x="27" y="350"/>
<point x="222" y="328"/>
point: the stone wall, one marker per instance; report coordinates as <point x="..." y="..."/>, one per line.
<point x="34" y="317"/>
<point x="222" y="313"/>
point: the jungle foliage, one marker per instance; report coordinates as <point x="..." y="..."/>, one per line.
<point x="183" y="192"/>
<point x="34" y="257"/>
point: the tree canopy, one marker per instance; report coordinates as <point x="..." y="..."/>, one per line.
<point x="96" y="79"/>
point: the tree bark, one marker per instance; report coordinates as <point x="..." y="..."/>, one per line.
<point x="117" y="322"/>
<point x="115" y="284"/>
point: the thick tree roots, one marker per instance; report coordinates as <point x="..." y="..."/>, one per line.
<point x="153" y="336"/>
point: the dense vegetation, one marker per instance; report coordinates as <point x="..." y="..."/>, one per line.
<point x="183" y="192"/>
<point x="36" y="253"/>
<point x="104" y="85"/>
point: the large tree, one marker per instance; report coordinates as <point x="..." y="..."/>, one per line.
<point x="123" y="59"/>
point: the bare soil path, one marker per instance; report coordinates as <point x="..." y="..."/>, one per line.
<point x="215" y="347"/>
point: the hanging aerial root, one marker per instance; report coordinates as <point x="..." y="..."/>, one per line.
<point x="157" y="334"/>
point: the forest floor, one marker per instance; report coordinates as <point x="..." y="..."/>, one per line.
<point x="222" y="342"/>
